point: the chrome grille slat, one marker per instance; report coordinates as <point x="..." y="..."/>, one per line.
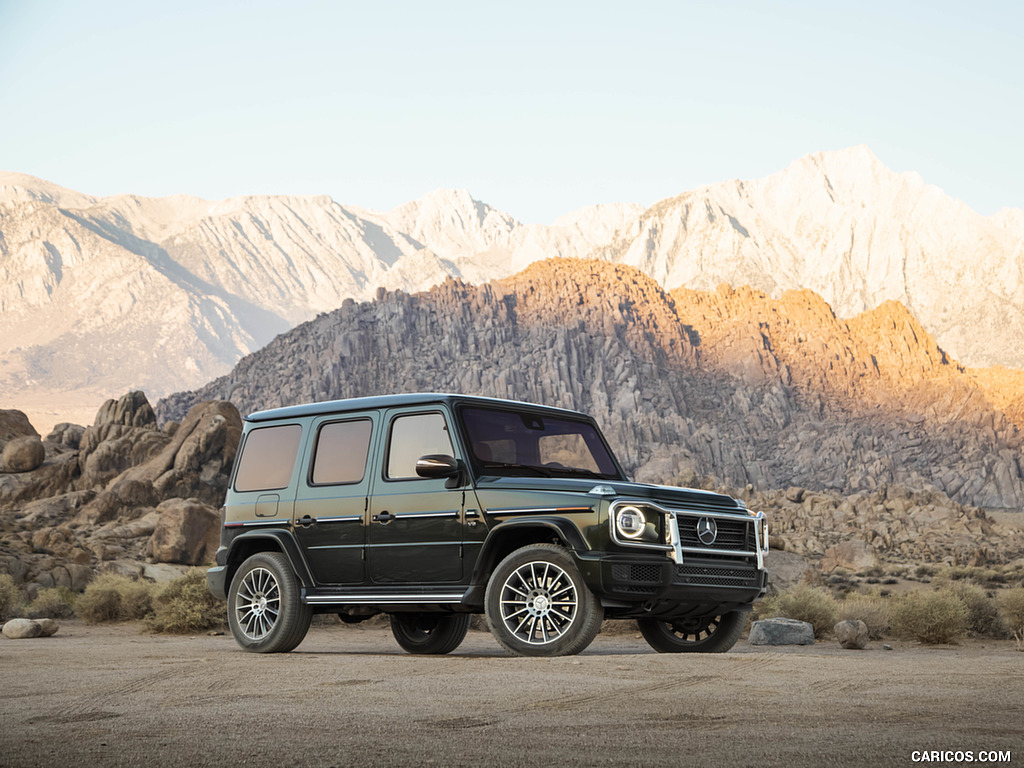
<point x="732" y="534"/>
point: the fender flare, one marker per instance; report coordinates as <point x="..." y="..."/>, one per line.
<point x="564" y="529"/>
<point x="286" y="543"/>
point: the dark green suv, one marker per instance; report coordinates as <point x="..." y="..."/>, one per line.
<point x="433" y="507"/>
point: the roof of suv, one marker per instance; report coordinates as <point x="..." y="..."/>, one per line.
<point x="392" y="401"/>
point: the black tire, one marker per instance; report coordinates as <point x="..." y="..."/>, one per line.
<point x="709" y="634"/>
<point x="537" y="603"/>
<point x="429" y="633"/>
<point x="265" y="609"/>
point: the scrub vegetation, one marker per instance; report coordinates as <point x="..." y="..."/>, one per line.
<point x="182" y="605"/>
<point x="947" y="612"/>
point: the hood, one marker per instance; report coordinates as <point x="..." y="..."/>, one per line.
<point x="665" y="494"/>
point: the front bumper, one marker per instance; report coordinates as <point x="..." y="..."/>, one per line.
<point x="658" y="587"/>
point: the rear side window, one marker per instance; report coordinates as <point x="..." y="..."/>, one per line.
<point x="268" y="458"/>
<point x="415" y="436"/>
<point x="341" y="451"/>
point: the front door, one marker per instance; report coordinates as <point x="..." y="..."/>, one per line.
<point x="331" y="505"/>
<point x="415" y="528"/>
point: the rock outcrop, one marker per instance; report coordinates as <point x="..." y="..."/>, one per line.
<point x="728" y="385"/>
<point x="14" y="424"/>
<point x="128" y="494"/>
<point x="22" y="454"/>
<point x="187" y="532"/>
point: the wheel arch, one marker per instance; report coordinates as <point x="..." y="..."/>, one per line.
<point x="248" y="544"/>
<point x="509" y="536"/>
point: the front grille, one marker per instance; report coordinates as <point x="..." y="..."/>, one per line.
<point x="715" y="576"/>
<point x="732" y="534"/>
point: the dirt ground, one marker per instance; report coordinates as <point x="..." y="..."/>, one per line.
<point x="109" y="696"/>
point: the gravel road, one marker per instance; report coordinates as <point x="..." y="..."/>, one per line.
<point x="110" y="696"/>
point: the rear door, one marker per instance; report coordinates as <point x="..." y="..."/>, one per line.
<point x="415" y="528"/>
<point x="331" y="506"/>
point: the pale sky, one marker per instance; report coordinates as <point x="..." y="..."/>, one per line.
<point x="536" y="108"/>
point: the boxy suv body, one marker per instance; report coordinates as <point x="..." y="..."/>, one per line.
<point x="433" y="507"/>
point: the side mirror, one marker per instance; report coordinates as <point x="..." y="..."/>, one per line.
<point x="437" y="465"/>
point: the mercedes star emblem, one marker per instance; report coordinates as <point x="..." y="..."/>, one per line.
<point x="707" y="531"/>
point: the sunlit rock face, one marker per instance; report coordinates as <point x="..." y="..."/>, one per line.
<point x="126" y="292"/>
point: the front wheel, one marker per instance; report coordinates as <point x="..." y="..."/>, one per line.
<point x="537" y="603"/>
<point x="429" y="633"/>
<point x="709" y="634"/>
<point x="265" y="609"/>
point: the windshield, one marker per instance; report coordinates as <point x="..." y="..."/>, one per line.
<point x="504" y="442"/>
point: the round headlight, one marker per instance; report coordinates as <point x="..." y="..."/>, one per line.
<point x="630" y="521"/>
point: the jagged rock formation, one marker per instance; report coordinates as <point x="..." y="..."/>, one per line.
<point x="119" y="495"/>
<point x="890" y="525"/>
<point x="731" y="385"/>
<point x="163" y="294"/>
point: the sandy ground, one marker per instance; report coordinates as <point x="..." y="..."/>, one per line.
<point x="109" y="696"/>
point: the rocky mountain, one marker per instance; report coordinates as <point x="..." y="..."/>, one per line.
<point x="108" y="294"/>
<point x="850" y="229"/>
<point x="166" y="293"/>
<point x="727" y="387"/>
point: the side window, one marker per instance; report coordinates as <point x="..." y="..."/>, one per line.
<point x="412" y="437"/>
<point x="268" y="458"/>
<point x="341" y="451"/>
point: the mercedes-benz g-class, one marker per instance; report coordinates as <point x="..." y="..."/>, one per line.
<point x="434" y="507"/>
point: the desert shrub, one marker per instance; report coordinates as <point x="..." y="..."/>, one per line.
<point x="923" y="571"/>
<point x="873" y="610"/>
<point x="112" y="597"/>
<point x="805" y="603"/>
<point x="930" y="617"/>
<point x="52" y="603"/>
<point x="10" y="597"/>
<point x="185" y="605"/>
<point x="972" y="574"/>
<point x="983" y="617"/>
<point x="1012" y="603"/>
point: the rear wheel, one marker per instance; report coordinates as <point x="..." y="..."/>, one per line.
<point x="709" y="634"/>
<point x="265" y="609"/>
<point x="433" y="633"/>
<point x="537" y="603"/>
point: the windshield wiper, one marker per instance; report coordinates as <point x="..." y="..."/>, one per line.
<point x="528" y="467"/>
<point x="581" y="471"/>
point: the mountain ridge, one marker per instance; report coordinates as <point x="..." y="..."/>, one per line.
<point x="167" y="293"/>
